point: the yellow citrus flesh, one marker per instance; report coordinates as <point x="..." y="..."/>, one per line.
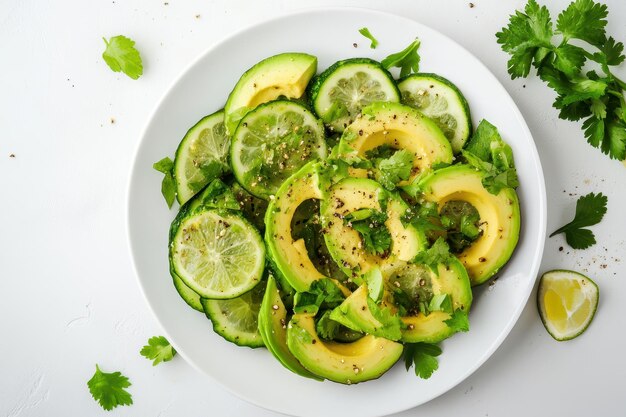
<point x="567" y="303"/>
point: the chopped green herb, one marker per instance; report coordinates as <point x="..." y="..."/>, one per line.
<point x="563" y="65"/>
<point x="322" y="293"/>
<point x="168" y="185"/>
<point x="590" y="209"/>
<point x="408" y="60"/>
<point x="438" y="253"/>
<point x="366" y="32"/>
<point x="326" y="327"/>
<point x="108" y="389"/>
<point x="459" y="322"/>
<point x="120" y="55"/>
<point x="423" y="357"/>
<point x="158" y="350"/>
<point x="373" y="231"/>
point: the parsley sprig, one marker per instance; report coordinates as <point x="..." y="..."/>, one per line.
<point x="598" y="98"/>
<point x="109" y="389"/>
<point x="590" y="209"/>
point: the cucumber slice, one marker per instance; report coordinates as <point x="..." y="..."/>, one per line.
<point x="236" y="320"/>
<point x="217" y="254"/>
<point x="201" y="156"/>
<point x="284" y="75"/>
<point x="441" y="101"/>
<point x="272" y="142"/>
<point x="187" y="294"/>
<point x="339" y="93"/>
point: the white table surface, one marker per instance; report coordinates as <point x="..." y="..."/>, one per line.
<point x="69" y="295"/>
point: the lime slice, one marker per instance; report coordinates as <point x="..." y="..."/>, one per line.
<point x="441" y="101"/>
<point x="567" y="302"/>
<point x="272" y="142"/>
<point x="217" y="254"/>
<point x="340" y="92"/>
<point x="236" y="320"/>
<point x="201" y="156"/>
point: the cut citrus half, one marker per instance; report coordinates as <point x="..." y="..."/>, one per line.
<point x="218" y="254"/>
<point x="567" y="302"/>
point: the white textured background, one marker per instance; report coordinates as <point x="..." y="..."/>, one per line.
<point x="69" y="297"/>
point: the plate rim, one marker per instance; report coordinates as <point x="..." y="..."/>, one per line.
<point x="541" y="194"/>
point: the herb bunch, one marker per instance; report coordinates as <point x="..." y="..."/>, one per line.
<point x="595" y="95"/>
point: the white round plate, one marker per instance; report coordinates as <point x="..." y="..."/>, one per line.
<point x="255" y="375"/>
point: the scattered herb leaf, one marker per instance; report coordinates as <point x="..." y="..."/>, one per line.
<point x="158" y="350"/>
<point x="108" y="389"/>
<point x="408" y="60"/>
<point x="168" y="185"/>
<point x="120" y="55"/>
<point x="590" y="209"/>
<point x="366" y="32"/>
<point x="423" y="357"/>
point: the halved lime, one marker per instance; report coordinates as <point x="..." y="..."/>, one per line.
<point x="236" y="320"/>
<point x="218" y="254"/>
<point x="441" y="101"/>
<point x="201" y="156"/>
<point x="567" y="302"/>
<point x="272" y="142"/>
<point x="339" y="93"/>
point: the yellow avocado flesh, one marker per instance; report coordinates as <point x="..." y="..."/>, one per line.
<point x="499" y="217"/>
<point x="345" y="244"/>
<point x="452" y="280"/>
<point x="291" y="257"/>
<point x="400" y="127"/>
<point x="280" y="75"/>
<point x="347" y="363"/>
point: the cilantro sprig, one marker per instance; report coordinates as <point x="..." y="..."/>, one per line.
<point x="366" y="32"/>
<point x="423" y="357"/>
<point x="158" y="350"/>
<point x="168" y="185"/>
<point x="590" y="209"/>
<point x="408" y="60"/>
<point x="108" y="389"/>
<point x="371" y="226"/>
<point x="121" y="55"/>
<point x="596" y="95"/>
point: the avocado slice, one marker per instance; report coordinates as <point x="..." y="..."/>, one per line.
<point x="400" y="127"/>
<point x="290" y="258"/>
<point x="499" y="214"/>
<point x="344" y="243"/>
<point x="347" y="363"/>
<point x="273" y="329"/>
<point x="280" y="75"/>
<point x="451" y="279"/>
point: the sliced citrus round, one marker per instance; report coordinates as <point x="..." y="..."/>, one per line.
<point x="272" y="142"/>
<point x="201" y="156"/>
<point x="218" y="254"/>
<point x="567" y="302"/>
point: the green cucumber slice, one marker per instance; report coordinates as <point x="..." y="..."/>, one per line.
<point x="187" y="294"/>
<point x="272" y="142"/>
<point x="441" y="101"/>
<point x="201" y="156"/>
<point x="339" y="93"/>
<point x="236" y="320"/>
<point x="217" y="254"/>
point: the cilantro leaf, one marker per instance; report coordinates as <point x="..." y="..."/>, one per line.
<point x="584" y="20"/>
<point x="168" y="185"/>
<point x="569" y="59"/>
<point x="120" y="55"/>
<point x="526" y="33"/>
<point x="391" y="324"/>
<point x="459" y="322"/>
<point x="408" y="60"/>
<point x="366" y="32"/>
<point x="394" y="169"/>
<point x="372" y="228"/>
<point x="158" y="350"/>
<point x="438" y="253"/>
<point x="375" y="283"/>
<point x="423" y="357"/>
<point x="108" y="389"/>
<point x="321" y="293"/>
<point x="590" y="209"/>
<point x="326" y="327"/>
